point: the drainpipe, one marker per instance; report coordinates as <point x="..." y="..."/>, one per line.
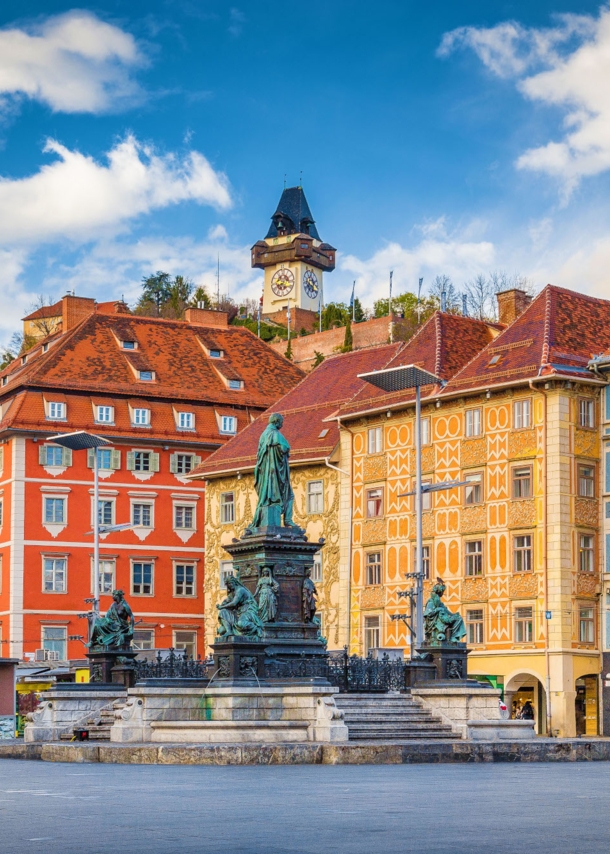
<point x="350" y="534"/>
<point x="545" y="577"/>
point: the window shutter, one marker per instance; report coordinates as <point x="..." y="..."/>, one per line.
<point x="115" y="459"/>
<point x="66" y="456"/>
<point x="196" y="461"/>
<point x="42" y="455"/>
<point x="173" y="463"/>
<point x="131" y="461"/>
<point x="90" y="457"/>
<point x="154" y="462"/>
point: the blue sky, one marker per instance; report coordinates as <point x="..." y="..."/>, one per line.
<point x="443" y="138"/>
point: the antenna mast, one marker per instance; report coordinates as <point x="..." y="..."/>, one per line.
<point x="218" y="281"/>
<point x="390" y="309"/>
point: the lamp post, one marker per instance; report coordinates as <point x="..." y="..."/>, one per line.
<point x="79" y="441"/>
<point x="400" y="379"/>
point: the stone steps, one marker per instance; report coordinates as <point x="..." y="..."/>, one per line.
<point x="390" y="717"/>
<point x="98" y="725"/>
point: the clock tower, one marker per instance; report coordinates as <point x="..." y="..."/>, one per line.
<point x="293" y="256"/>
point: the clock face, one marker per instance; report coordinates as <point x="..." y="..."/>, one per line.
<point x="282" y="282"/>
<point x="310" y="283"/>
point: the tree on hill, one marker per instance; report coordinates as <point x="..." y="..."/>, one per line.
<point x="453" y="300"/>
<point x="348" y="341"/>
<point x="164" y="296"/>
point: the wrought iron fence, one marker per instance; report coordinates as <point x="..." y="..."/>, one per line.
<point x="354" y="674"/>
<point x="175" y="665"/>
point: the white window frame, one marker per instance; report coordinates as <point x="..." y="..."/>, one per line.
<point x="524" y="624"/>
<point x="586" y="413"/>
<point x="315" y="496"/>
<point x="186" y="564"/>
<point x="141" y="417"/>
<point x="182" y="644"/>
<point x="140" y="643"/>
<point x="235" y="385"/>
<point x="586" y="623"/>
<point x="146" y="376"/>
<point x="180" y="507"/>
<point x="522" y="414"/>
<point x="105" y="562"/>
<point x="425" y="431"/>
<point x="374" y="441"/>
<point x="104" y="414"/>
<point x="228" y="424"/>
<point x="226" y="569"/>
<point x="142" y="502"/>
<point x="475" y="626"/>
<point x="64" y="640"/>
<point x="56" y="411"/>
<point x="104" y="499"/>
<point x="64" y="512"/>
<point x="523" y="549"/>
<point x="54" y="559"/>
<point x="586" y="484"/>
<point x="426" y="498"/>
<point x="520" y="481"/>
<point x="143" y="562"/>
<point x="372" y="632"/>
<point x="54" y="448"/>
<point x="373" y="569"/>
<point x="473" y="559"/>
<point x="186" y="420"/>
<point x="474" y="422"/>
<point x="180" y="460"/>
<point x="317" y="570"/>
<point x="381" y="499"/>
<point x="227" y="508"/>
<point x="470" y="492"/>
<point x="586" y="552"/>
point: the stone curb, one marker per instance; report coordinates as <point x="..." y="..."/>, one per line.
<point x="363" y="753"/>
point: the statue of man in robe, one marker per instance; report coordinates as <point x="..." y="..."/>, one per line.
<point x="272" y="479"/>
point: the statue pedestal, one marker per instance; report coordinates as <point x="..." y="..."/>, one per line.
<point x="112" y="666"/>
<point x="450" y="660"/>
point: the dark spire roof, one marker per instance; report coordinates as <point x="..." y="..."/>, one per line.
<point x="293" y="215"/>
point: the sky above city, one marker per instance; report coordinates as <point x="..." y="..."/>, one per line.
<point x="441" y="138"/>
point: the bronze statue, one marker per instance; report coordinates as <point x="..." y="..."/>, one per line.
<point x="115" y="630"/>
<point x="238" y="613"/>
<point x="440" y="624"/>
<point x="267" y="591"/>
<point x="272" y="478"/>
<point x="309" y="598"/>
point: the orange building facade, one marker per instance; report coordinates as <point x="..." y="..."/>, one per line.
<point x="165" y="394"/>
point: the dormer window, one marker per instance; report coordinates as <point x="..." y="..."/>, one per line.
<point x="128" y="345"/>
<point x="57" y="411"/>
<point x="146" y="376"/>
<point x="494" y="360"/>
<point x="236" y="385"/>
<point x="228" y="424"/>
<point x="4" y="380"/>
<point x="141" y="417"/>
<point x="104" y="414"/>
<point x="24" y="360"/>
<point x="216" y="354"/>
<point x="186" y="421"/>
<point x="45" y="347"/>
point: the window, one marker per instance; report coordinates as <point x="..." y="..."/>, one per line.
<point x="474" y="557"/>
<point x="141" y="515"/>
<point x="107" y="584"/>
<point x="52" y="455"/>
<point x="586" y="623"/>
<point x="186" y="421"/>
<point x="186" y="641"/>
<point x="54" y="638"/>
<point x="473" y="493"/>
<point x="141" y="461"/>
<point x="226" y="569"/>
<point x="473" y="422"/>
<point x="54" y="575"/>
<point x="105" y="512"/>
<point x="183" y="516"/>
<point x="57" y="411"/>
<point x="374" y="502"/>
<point x="108" y="459"/>
<point x="586" y="481"/>
<point x="235" y="385"/>
<point x="316" y="571"/>
<point x="522" y="553"/>
<point x="425" y="431"/>
<point x="586" y="412"/>
<point x="585" y="553"/>
<point x="128" y="345"/>
<point x="524" y="625"/>
<point x="141" y="417"/>
<point x="45" y="348"/>
<point x="372" y="634"/>
<point x="184" y="579"/>
<point x="54" y="510"/>
<point x="142" y="579"/>
<point x="375" y="440"/>
<point x="425" y="560"/>
<point x="104" y="414"/>
<point x="426" y="498"/>
<point x="145" y="376"/>
<point x="474" y="625"/>
<point x="522" y="414"/>
<point x="104" y="458"/>
<point x="522" y="482"/>
<point x="215" y="354"/>
<point x="143" y="639"/>
<point x="184" y="463"/>
<point x="315" y="497"/>
<point x="227" y="507"/>
<point x="228" y="424"/>
<point x="373" y="568"/>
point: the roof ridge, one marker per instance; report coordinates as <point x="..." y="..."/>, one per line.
<point x="438" y="355"/>
<point x="546" y="337"/>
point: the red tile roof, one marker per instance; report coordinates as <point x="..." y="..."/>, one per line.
<point x="444" y="344"/>
<point x="305" y="410"/>
<point x="89" y="360"/>
<point x="557" y="334"/>
<point x="45" y="311"/>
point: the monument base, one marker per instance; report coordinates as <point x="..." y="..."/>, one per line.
<point x="449" y="659"/>
<point x="112" y="666"/>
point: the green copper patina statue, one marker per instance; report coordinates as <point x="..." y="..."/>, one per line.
<point x="238" y="613"/>
<point x="272" y="479"/>
<point x="440" y="624"/>
<point x="115" y="629"/>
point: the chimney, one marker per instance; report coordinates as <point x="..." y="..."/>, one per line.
<point x="206" y="317"/>
<point x="74" y="310"/>
<point x="511" y="304"/>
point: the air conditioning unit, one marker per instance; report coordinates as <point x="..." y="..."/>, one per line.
<point x="39" y="655"/>
<point x="46" y="655"/>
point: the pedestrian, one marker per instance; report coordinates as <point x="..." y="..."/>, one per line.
<point x="527" y="711"/>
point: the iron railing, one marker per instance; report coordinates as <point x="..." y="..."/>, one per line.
<point x="350" y="673"/>
<point x="175" y="665"/>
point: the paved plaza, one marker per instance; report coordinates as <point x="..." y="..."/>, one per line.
<point x="53" y="808"/>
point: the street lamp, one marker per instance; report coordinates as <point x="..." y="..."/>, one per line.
<point x="80" y="441"/>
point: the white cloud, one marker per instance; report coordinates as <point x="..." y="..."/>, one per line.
<point x="459" y="259"/>
<point x="567" y="66"/>
<point x="77" y="197"/>
<point x="73" y="63"/>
